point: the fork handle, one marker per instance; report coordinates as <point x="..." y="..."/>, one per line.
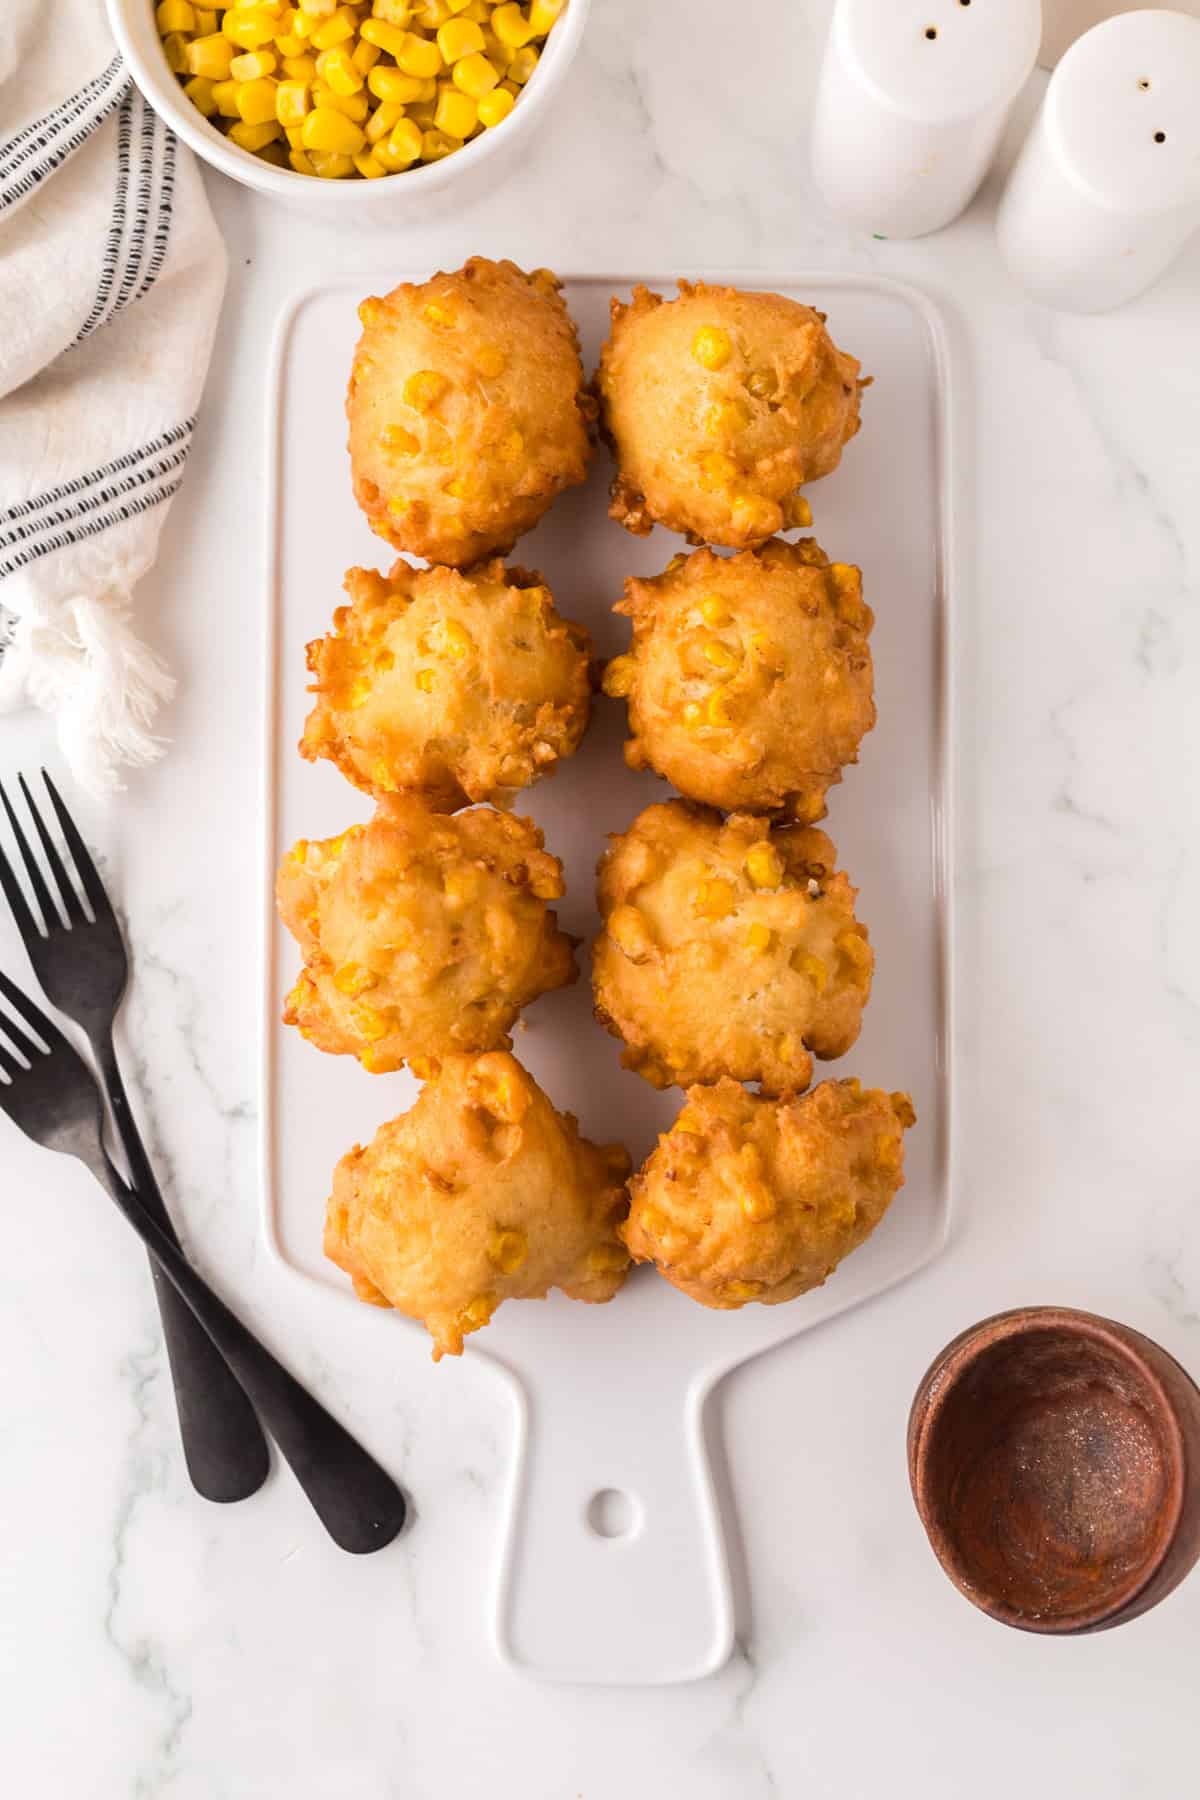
<point x="223" y="1443"/>
<point x="358" y="1503"/>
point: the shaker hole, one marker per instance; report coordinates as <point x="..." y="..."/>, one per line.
<point x="931" y="31"/>
<point x="1144" y="84"/>
<point x="611" y="1513"/>
<point x="1160" y="137"/>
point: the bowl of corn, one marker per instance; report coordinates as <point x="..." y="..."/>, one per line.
<point x="298" y="100"/>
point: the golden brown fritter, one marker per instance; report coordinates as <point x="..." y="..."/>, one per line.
<point x="718" y="406"/>
<point x="467" y="410"/>
<point x="459" y="685"/>
<point x="727" y="949"/>
<point x="753" y="1199"/>
<point x="481" y="1193"/>
<point x="422" y="933"/>
<point x="749" y="677"/>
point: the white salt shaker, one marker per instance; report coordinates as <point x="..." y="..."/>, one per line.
<point x="911" y="105"/>
<point x="1106" y="190"/>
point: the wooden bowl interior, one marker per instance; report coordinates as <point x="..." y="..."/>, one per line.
<point x="1049" y="1476"/>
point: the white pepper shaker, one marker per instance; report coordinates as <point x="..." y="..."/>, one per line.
<point x="913" y="98"/>
<point x="1106" y="190"/>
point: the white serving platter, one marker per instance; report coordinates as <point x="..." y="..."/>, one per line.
<point x="612" y="1398"/>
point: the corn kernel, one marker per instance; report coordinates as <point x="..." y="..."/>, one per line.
<point x="722" y="655"/>
<point x="317" y="9"/>
<point x="542" y="15"/>
<point x="797" y="511"/>
<point x="336" y="30"/>
<point x="813" y="967"/>
<point x="607" y="1259"/>
<point x="712" y="347"/>
<point x="629" y="931"/>
<point x="291" y="102"/>
<point x="764" y="865"/>
<point x="175" y="15"/>
<point x="225" y="98"/>
<point x="256" y="101"/>
<point x="393" y="12"/>
<point x="364" y="57"/>
<point x="725" y="418"/>
<point x="714" y="898"/>
<point x="424" y="389"/>
<point x="290" y="43"/>
<point x="507" y="1250"/>
<point x="758" y="1204"/>
<point x="211" y="57"/>
<point x="175" y="50"/>
<point x="718" y="710"/>
<point x="438" y="144"/>
<point x="495" y="107"/>
<point x="458" y="37"/>
<point x="370" y="1060"/>
<point x="292" y="134"/>
<point x="299" y="68"/>
<point x="511" y="26"/>
<point x="399" y="439"/>
<point x="762" y="383"/>
<point x="331" y="165"/>
<point x="300" y="161"/>
<point x="253" y="135"/>
<point x="394" y="85"/>
<point x="475" y="1316"/>
<point x="199" y="91"/>
<point x="856" y="950"/>
<point x="714" y="611"/>
<point x="474" y="76"/>
<point x="455" y="113"/>
<point x="717" y="469"/>
<point x="208" y="19"/>
<point x="327" y="130"/>
<point x="889" y="1154"/>
<point x="758" y="938"/>
<point x="752" y="513"/>
<point x="381" y="120"/>
<point x="425" y="680"/>
<point x="416" y="56"/>
<point x="396" y="155"/>
<point x="522" y="65"/>
<point x="384" y="35"/>
<point x="337" y="68"/>
<point x="693" y="714"/>
<point x="429" y="14"/>
<point x="372" y="1024"/>
<point x="454" y="639"/>
<point x="619" y="677"/>
<point x="353" y="979"/>
<point x="252" y="64"/>
<point x="738" y="1292"/>
<point x="248" y="27"/>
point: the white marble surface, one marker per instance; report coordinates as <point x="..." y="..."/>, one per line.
<point x="151" y="1645"/>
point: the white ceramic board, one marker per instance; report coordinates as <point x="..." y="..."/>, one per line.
<point x="612" y="1398"/>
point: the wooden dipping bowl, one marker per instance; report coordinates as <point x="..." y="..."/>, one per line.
<point x="1054" y="1458"/>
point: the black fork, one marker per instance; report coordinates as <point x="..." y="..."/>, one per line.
<point x="83" y="968"/>
<point x="48" y="1091"/>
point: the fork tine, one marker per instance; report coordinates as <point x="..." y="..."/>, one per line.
<point x="32" y="867"/>
<point x="66" y="887"/>
<point x="18" y="1041"/>
<point x="13" y="892"/>
<point x="85" y="868"/>
<point x="33" y="1015"/>
<point x="9" y="1066"/>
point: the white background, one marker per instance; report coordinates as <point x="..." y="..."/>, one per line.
<point x="150" y="1645"/>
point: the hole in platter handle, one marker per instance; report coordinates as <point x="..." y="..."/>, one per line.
<point x="613" y="1568"/>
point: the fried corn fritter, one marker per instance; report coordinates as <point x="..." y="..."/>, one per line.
<point x="481" y="1193"/>
<point x="719" y="405"/>
<point x="727" y="948"/>
<point x="459" y="685"/>
<point x="753" y="1199"/>
<point x="749" y="679"/>
<point x="422" y="933"/>
<point x="467" y="409"/>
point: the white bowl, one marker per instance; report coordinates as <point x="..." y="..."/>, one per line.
<point x="482" y="160"/>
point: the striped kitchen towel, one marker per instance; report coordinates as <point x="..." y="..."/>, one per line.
<point x="111" y="275"/>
